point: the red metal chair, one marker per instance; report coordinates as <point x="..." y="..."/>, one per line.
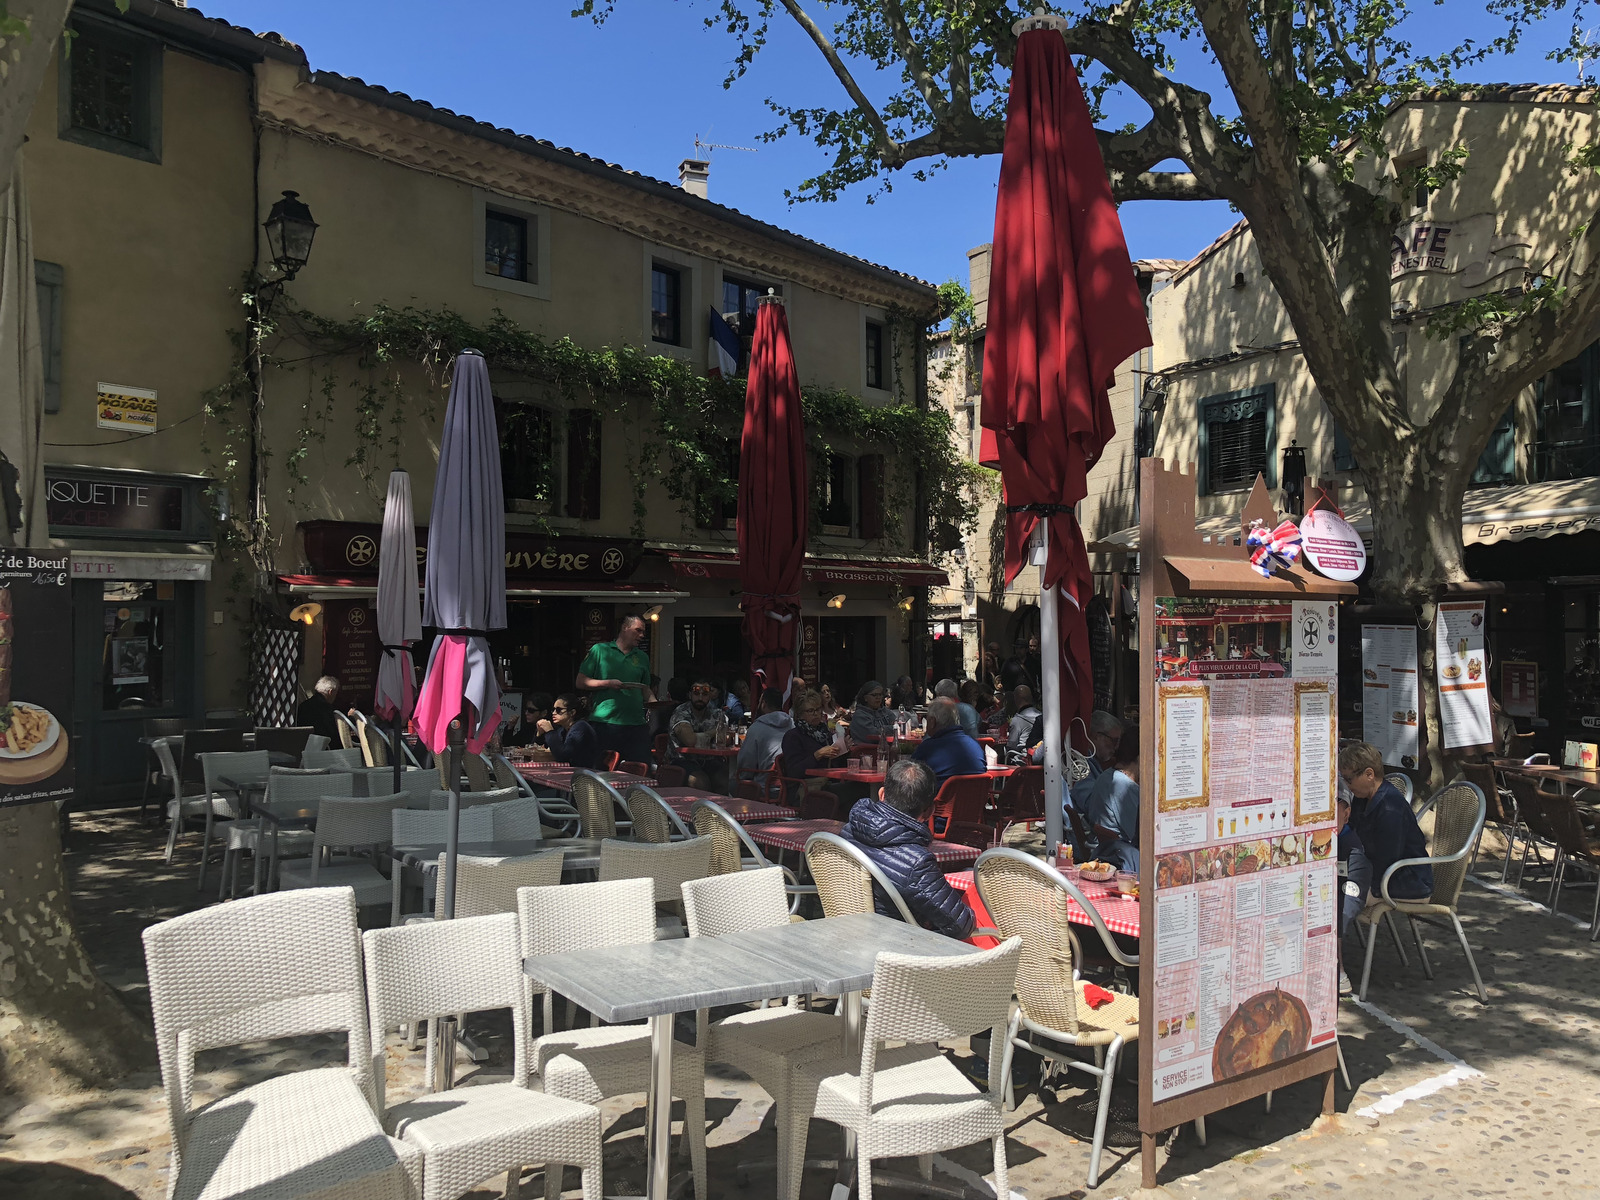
<point x="635" y="768"/>
<point x="748" y="789"/>
<point x="671" y="776"/>
<point x="609" y="760"/>
<point x="662" y="748"/>
<point x="959" y="806"/>
<point x="819" y="806"/>
<point x="1022" y="796"/>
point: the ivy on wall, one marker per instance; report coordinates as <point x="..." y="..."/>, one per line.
<point x="687" y="439"/>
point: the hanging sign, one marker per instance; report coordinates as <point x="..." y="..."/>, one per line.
<point x="130" y="409"/>
<point x="1389" y="708"/>
<point x="1331" y="546"/>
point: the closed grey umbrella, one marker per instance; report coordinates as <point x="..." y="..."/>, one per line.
<point x="465" y="594"/>
<point x="399" y="613"/>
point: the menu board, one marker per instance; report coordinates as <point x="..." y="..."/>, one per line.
<point x="1389" y="701"/>
<point x="1462" y="665"/>
<point x="350" y="647"/>
<point x="1246" y="945"/>
<point x="36" y="698"/>
<point x="1519" y="688"/>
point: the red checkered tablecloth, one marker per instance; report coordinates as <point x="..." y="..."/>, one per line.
<point x="1120" y="914"/>
<point x="682" y="800"/>
<point x="559" y="776"/>
<point x="792" y="835"/>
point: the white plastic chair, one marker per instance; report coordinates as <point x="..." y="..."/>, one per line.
<point x="267" y="967"/>
<point x="911" y="1100"/>
<point x="467" y="1135"/>
<point x="764" y="1043"/>
<point x="347" y="821"/>
<point x="413" y="827"/>
<point x="591" y="1065"/>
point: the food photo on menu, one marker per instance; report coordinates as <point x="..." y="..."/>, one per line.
<point x="1245" y="947"/>
<point x="35" y="680"/>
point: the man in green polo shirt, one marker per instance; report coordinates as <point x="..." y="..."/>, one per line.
<point x="620" y="672"/>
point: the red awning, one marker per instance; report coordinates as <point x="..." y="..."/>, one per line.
<point x="708" y="564"/>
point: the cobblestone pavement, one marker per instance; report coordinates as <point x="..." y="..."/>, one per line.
<point x="1452" y="1098"/>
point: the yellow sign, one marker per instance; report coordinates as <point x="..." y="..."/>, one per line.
<point x="118" y="406"/>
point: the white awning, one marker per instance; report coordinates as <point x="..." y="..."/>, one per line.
<point x="184" y="563"/>
<point x="1488" y="515"/>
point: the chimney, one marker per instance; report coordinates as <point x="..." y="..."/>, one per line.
<point x="693" y="176"/>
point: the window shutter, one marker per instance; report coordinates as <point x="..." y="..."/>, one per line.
<point x="869" y="495"/>
<point x="1497" y="463"/>
<point x="1236" y="451"/>
<point x="583" y="463"/>
<point x="1344" y="455"/>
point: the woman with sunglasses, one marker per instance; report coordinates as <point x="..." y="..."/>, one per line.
<point x="535" y="723"/>
<point x="573" y="740"/>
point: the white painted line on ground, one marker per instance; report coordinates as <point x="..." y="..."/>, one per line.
<point x="1392" y="1102"/>
<point x="1405" y="1031"/>
<point x="1501" y="889"/>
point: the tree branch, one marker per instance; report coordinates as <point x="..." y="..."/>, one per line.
<point x="842" y="72"/>
<point x="909" y="51"/>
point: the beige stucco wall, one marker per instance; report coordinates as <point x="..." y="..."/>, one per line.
<point x="1514" y="203"/>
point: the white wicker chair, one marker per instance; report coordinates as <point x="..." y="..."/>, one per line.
<point x="238" y="834"/>
<point x="1027" y="900"/>
<point x="519" y="819"/>
<point x="735" y="850"/>
<point x="764" y="1043"/>
<point x="845" y="876"/>
<point x="911" y="1100"/>
<point x="348" y="821"/>
<point x="180" y="806"/>
<point x="440" y="797"/>
<point x="591" y="1065"/>
<point x="419" y="785"/>
<point x="330" y="758"/>
<point x="490" y="885"/>
<point x="316" y="741"/>
<point x="422" y="826"/>
<point x="652" y="817"/>
<point x="467" y="1135"/>
<point x="271" y="967"/>
<point x="671" y="866"/>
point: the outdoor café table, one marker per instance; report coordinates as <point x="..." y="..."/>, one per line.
<point x="847" y="774"/>
<point x="1573" y="778"/>
<point x="581" y="854"/>
<point x="558" y="776"/>
<point x="658" y="980"/>
<point x="792" y="835"/>
<point x="682" y="800"/>
<point x="1119" y="912"/>
<point x="723" y="754"/>
<point x="247" y="787"/>
<point x="839" y="955"/>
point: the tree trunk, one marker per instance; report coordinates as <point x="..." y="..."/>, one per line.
<point x="27" y="58"/>
<point x="1417" y="548"/>
<point x="61" y="1027"/>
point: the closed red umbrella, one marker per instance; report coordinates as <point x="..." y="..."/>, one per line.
<point x="1064" y="311"/>
<point x="772" y="501"/>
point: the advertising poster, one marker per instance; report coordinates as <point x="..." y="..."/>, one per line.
<point x="1389" y="700"/>
<point x="35" y="678"/>
<point x="1245" y="941"/>
<point x="350" y="646"/>
<point x="1519" y="688"/>
<point x="130" y="409"/>
<point x="1463" y="669"/>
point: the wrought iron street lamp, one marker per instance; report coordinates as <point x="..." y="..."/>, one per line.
<point x="290" y="231"/>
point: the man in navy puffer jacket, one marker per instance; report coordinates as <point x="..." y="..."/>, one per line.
<point x="892" y="830"/>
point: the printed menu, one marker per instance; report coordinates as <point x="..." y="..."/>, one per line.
<point x="1245" y="874"/>
<point x="1463" y="675"/>
<point x="1389" y="701"/>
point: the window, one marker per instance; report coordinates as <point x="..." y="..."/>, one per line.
<point x="48" y="276"/>
<point x="1237" y="440"/>
<point x="739" y="300"/>
<point x="1498" y="462"/>
<point x="505" y="246"/>
<point x="975" y="365"/>
<point x="666" y="305"/>
<point x="869" y="496"/>
<point x="717" y="508"/>
<point x="875" y="372"/>
<point x="584" y="429"/>
<point x="109" y="92"/>
<point x="527" y="455"/>
<point x="1568" y="405"/>
<point x="839" y="486"/>
<point x="1407" y="165"/>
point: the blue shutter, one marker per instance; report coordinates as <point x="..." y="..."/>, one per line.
<point x="1497" y="463"/>
<point x="1344" y="455"/>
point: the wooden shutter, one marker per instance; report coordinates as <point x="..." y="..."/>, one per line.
<point x="869" y="495"/>
<point x="1498" y="462"/>
<point x="583" y="463"/>
<point x="1344" y="455"/>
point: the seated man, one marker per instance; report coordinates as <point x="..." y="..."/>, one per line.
<point x="1022" y="723"/>
<point x="892" y="831"/>
<point x="699" y="714"/>
<point x="1105" y="731"/>
<point x="968" y="716"/>
<point x="948" y="750"/>
<point x="1112" y="807"/>
<point x="764" y="742"/>
<point x="1385" y="824"/>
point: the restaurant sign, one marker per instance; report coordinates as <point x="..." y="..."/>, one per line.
<point x="102" y="502"/>
<point x="348" y="547"/>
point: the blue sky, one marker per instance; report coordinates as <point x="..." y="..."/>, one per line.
<point x="638" y="90"/>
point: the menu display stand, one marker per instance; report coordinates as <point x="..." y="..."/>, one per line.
<point x="1238" y="770"/>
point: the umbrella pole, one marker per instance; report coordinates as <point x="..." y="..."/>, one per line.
<point x="444" y="1030"/>
<point x="1050" y="702"/>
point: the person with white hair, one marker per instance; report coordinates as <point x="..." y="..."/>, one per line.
<point x="317" y="710"/>
<point x="950" y="690"/>
<point x="948" y="749"/>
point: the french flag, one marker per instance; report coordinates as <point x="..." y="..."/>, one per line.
<point x="722" y="348"/>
